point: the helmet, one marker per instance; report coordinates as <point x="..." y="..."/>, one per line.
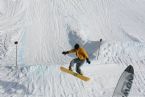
<point x="76" y="46"/>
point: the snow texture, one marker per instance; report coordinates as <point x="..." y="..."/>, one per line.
<point x="45" y="28"/>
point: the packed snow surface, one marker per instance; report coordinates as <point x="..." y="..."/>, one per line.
<point x="45" y="28"/>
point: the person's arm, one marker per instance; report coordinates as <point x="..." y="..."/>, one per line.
<point x="70" y="51"/>
<point x="86" y="56"/>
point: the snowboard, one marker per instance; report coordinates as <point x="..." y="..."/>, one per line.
<point x="82" y="77"/>
<point x="125" y="83"/>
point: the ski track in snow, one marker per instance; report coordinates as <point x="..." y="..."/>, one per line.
<point x="49" y="81"/>
<point x="25" y="20"/>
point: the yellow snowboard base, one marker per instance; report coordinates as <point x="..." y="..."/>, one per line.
<point x="82" y="77"/>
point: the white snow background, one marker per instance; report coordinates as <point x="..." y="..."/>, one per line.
<point x="45" y="28"/>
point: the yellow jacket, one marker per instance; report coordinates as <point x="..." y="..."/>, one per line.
<point x="80" y="53"/>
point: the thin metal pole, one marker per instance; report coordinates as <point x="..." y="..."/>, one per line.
<point x="16" y="56"/>
<point x="16" y="42"/>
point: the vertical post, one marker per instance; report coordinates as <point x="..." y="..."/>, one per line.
<point x="16" y="42"/>
<point x="99" y="49"/>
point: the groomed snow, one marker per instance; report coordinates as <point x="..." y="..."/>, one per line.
<point x="45" y="28"/>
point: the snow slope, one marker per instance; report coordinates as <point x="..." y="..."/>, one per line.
<point x="45" y="28"/>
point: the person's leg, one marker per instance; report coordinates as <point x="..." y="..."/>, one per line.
<point x="79" y="64"/>
<point x="74" y="61"/>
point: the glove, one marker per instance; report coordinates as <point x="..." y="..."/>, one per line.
<point x="65" y="52"/>
<point x="88" y="61"/>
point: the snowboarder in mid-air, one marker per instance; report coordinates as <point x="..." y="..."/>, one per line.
<point x="81" y="57"/>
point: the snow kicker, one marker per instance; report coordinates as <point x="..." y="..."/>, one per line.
<point x="124" y="84"/>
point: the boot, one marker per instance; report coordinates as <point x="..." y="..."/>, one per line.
<point x="80" y="73"/>
<point x="70" y="68"/>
